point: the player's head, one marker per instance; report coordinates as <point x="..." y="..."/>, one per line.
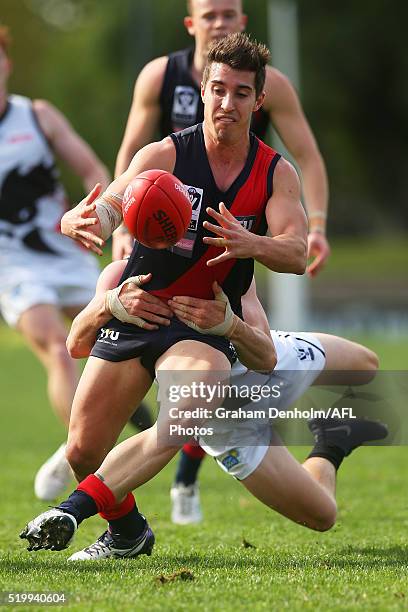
<point x="5" y="62"/>
<point x="239" y="52"/>
<point x="210" y="20"/>
<point x="233" y="83"/>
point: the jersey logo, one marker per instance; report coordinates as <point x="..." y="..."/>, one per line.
<point x="247" y="222"/>
<point x="185" y="246"/>
<point x="195" y="195"/>
<point x="185" y="104"/>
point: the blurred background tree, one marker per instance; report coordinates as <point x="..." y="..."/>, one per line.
<point x="84" y="56"/>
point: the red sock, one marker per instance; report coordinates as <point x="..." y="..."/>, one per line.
<point x="193" y="451"/>
<point x="100" y="493"/>
<point x="119" y="510"/>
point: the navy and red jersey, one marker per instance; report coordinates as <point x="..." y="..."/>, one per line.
<point x="182" y="269"/>
<point x="180" y="98"/>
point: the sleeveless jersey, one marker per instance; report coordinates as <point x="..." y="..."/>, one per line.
<point x="182" y="269"/>
<point x="180" y="99"/>
<point x="32" y="200"/>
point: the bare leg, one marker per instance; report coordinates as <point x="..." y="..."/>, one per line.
<point x="43" y="328"/>
<point x="304" y="494"/>
<point x="348" y="357"/>
<point x="139" y="458"/>
<point x="105" y="398"/>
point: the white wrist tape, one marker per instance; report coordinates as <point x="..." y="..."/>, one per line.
<point x="115" y="306"/>
<point x="109" y="211"/>
<point x="222" y="329"/>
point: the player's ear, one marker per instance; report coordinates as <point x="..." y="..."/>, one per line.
<point x="259" y="101"/>
<point x="189" y="25"/>
<point x="244" y="21"/>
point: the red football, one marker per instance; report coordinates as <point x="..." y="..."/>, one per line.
<point x="156" y="209"/>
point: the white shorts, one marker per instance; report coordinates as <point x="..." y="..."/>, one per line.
<point x="300" y="359"/>
<point x="58" y="281"/>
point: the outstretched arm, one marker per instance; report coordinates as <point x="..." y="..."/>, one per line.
<point x="94" y="219"/>
<point x="284" y="249"/>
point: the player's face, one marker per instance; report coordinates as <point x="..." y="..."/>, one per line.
<point x="229" y="100"/>
<point x="214" y="19"/>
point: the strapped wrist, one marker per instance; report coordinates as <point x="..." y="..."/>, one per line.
<point x="109" y="212"/>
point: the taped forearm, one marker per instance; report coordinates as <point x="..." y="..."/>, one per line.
<point x="109" y="211"/>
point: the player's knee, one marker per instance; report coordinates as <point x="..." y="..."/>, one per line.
<point x="83" y="460"/>
<point x="373" y="361"/>
<point x="57" y="352"/>
<point x="369" y="364"/>
<point x="326" y="517"/>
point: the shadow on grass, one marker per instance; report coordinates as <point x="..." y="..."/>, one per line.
<point x="369" y="557"/>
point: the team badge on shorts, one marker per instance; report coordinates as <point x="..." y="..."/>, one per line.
<point x="231" y="460"/>
<point x="305" y="354"/>
<point x="108" y="336"/>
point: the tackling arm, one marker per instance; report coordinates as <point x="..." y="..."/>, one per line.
<point x="251" y="339"/>
<point x="81" y="337"/>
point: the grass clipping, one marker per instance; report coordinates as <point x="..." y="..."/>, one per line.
<point x="183" y="574"/>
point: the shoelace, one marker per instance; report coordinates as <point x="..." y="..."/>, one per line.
<point x="99" y="545"/>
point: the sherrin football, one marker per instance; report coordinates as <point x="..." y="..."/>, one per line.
<point x="156" y="209"/>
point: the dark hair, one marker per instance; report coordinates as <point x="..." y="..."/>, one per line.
<point x="239" y="52"/>
<point x="5" y="39"/>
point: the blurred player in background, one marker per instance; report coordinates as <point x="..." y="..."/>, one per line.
<point x="44" y="276"/>
<point x="167" y="99"/>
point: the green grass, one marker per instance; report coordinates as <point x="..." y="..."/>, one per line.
<point x="362" y="563"/>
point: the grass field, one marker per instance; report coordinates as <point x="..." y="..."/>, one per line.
<point x="360" y="564"/>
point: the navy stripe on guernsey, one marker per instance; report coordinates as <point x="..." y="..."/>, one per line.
<point x="177" y="274"/>
<point x="180" y="98"/>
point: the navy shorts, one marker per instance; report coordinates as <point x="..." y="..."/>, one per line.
<point x="118" y="341"/>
